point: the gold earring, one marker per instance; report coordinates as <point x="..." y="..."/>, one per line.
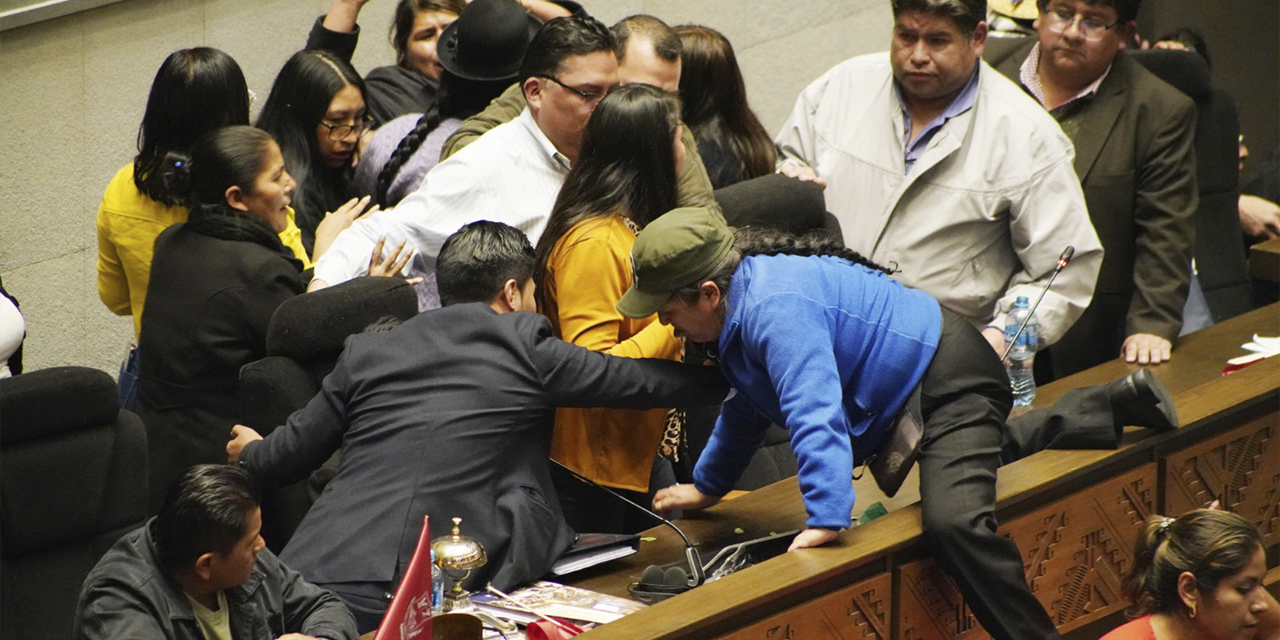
<point x="1193" y="611"/>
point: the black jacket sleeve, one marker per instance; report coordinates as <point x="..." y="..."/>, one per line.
<point x="341" y="44"/>
<point x="574" y="376"/>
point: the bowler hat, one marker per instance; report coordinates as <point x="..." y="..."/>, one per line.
<point x="487" y="42"/>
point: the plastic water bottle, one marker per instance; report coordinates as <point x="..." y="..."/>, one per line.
<point x="437" y="584"/>
<point x="1023" y="354"/>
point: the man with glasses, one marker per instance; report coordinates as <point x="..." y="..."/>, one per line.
<point x="648" y="52"/>
<point x="511" y="174"/>
<point x="940" y="166"/>
<point x="1133" y="137"/>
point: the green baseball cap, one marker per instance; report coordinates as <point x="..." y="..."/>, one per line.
<point x="673" y="251"/>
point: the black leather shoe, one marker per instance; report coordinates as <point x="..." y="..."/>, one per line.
<point x="1138" y="399"/>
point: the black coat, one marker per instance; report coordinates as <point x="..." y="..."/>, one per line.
<point x="450" y="415"/>
<point x="208" y="305"/>
<point x="1135" y="158"/>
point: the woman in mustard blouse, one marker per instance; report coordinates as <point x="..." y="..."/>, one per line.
<point x="624" y="178"/>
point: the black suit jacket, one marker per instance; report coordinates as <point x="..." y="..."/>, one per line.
<point x="450" y="414"/>
<point x="1135" y="160"/>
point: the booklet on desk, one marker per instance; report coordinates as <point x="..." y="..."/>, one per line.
<point x="558" y="601"/>
<point x="591" y="549"/>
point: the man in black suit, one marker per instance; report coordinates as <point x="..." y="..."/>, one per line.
<point x="1133" y="137"/>
<point x="450" y="415"/>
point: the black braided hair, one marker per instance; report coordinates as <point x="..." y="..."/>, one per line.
<point x="758" y="241"/>
<point x="408" y="146"/>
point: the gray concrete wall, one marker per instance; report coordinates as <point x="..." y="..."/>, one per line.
<point x="73" y="89"/>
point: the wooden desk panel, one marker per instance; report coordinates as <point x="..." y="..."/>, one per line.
<point x="1083" y="498"/>
<point x="1241" y="468"/>
<point x="859" y="612"/>
<point x="1075" y="552"/>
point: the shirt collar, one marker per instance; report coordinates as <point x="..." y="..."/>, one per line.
<point x="963" y="102"/>
<point x="1029" y="76"/>
<point x="526" y="120"/>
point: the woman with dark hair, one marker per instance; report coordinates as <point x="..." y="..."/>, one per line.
<point x="194" y="92"/>
<point x="410" y="85"/>
<point x="215" y="282"/>
<point x="624" y="178"/>
<point x="732" y="142"/>
<point x="815" y="338"/>
<point x="1199" y="577"/>
<point x="316" y="112"/>
<point x="486" y="46"/>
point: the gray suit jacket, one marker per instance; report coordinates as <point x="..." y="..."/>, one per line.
<point x="1134" y="156"/>
<point x="450" y="414"/>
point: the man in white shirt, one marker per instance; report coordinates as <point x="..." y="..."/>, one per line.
<point x="945" y="169"/>
<point x="511" y="174"/>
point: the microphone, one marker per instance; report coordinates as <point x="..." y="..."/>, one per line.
<point x="1063" y="260"/>
<point x="657" y="583"/>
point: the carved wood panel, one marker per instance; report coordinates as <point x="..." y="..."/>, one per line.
<point x="858" y="612"/>
<point x="1241" y="468"/>
<point x="1075" y="552"/>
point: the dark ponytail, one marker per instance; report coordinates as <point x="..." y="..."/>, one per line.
<point x="229" y="157"/>
<point x="408" y="146"/>
<point x="1209" y="544"/>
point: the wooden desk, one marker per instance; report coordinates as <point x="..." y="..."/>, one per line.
<point x="1264" y="260"/>
<point x="1074" y="515"/>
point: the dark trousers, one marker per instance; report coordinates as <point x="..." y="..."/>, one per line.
<point x="965" y="400"/>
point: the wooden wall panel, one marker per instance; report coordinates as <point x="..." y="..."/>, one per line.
<point x="1075" y="552"/>
<point x="1240" y="467"/>
<point x="858" y="612"/>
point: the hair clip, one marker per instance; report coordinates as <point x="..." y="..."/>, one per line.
<point x="1163" y="528"/>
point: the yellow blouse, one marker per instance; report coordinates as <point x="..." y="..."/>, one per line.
<point x="128" y="224"/>
<point x="587" y="272"/>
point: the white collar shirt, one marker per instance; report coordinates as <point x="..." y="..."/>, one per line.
<point x="512" y="174"/>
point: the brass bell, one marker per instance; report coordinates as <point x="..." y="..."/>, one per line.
<point x="457" y="555"/>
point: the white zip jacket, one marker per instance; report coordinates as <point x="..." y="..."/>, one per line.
<point x="985" y="212"/>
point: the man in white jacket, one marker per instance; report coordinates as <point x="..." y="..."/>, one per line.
<point x="941" y="166"/>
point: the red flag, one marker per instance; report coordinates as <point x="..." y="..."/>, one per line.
<point x="409" y="616"/>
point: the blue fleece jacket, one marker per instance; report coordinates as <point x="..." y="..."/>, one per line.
<point x="827" y="349"/>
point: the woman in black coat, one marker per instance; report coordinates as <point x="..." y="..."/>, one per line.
<point x="215" y="282"/>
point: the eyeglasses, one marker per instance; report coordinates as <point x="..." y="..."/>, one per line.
<point x="1090" y="29"/>
<point x="342" y="131"/>
<point x="589" y="96"/>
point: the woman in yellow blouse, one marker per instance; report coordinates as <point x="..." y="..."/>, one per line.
<point x="624" y="178"/>
<point x="194" y="92"/>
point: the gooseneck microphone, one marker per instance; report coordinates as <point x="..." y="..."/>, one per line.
<point x="1063" y="259"/>
<point x="656" y="583"/>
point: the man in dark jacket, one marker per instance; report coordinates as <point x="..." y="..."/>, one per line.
<point x="1133" y="137"/>
<point x="199" y="570"/>
<point x="450" y="415"/>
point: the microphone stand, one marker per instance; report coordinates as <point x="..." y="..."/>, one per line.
<point x="696" y="573"/>
<point x="1063" y="259"/>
